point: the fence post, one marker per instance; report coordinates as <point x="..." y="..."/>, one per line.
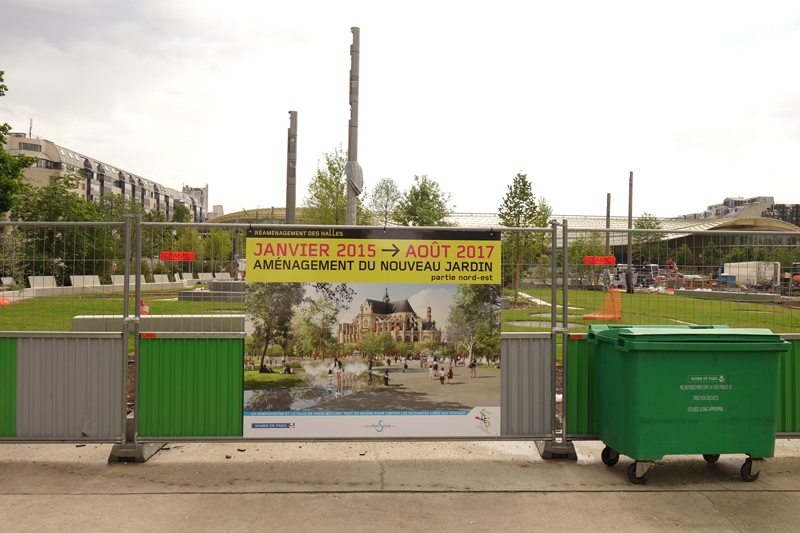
<point x="133" y="452"/>
<point x="563" y="449"/>
<point x="125" y="328"/>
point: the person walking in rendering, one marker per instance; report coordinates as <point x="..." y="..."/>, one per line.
<point x="338" y="370"/>
<point x="442" y="374"/>
<point x="450" y="375"/>
<point x="473" y="368"/>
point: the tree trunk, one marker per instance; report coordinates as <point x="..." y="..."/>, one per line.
<point x="261" y="367"/>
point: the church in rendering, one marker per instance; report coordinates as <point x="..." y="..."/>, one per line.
<point x="395" y="316"/>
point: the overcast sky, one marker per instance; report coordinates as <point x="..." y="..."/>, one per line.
<point x="699" y="99"/>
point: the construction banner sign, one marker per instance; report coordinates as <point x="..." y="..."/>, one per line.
<point x="373" y="256"/>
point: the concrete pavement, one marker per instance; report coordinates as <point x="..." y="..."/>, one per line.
<point x="410" y="486"/>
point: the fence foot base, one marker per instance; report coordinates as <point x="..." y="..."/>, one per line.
<point x="134" y="453"/>
<point x="556" y="450"/>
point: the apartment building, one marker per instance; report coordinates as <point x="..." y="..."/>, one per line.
<point x="100" y="177"/>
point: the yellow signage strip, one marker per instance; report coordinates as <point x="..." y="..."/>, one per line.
<point x="358" y="257"/>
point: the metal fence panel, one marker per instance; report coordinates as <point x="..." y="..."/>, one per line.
<point x="70" y="388"/>
<point x="8" y="387"/>
<point x="190" y="386"/>
<point x="527" y="393"/>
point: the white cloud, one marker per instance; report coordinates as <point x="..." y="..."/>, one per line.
<point x="697" y="96"/>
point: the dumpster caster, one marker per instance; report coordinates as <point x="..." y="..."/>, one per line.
<point x="609" y="456"/>
<point x="711" y="458"/>
<point x="639" y="471"/>
<point x="751" y="469"/>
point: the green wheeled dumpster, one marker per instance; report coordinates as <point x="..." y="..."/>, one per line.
<point x="687" y="390"/>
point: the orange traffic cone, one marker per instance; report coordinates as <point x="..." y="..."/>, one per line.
<point x="144" y="309"/>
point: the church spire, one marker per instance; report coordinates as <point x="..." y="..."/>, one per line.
<point x="386" y="295"/>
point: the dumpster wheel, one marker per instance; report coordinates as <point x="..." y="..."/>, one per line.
<point x="711" y="457"/>
<point x="642" y="465"/>
<point x="609" y="456"/>
<point x="747" y="471"/>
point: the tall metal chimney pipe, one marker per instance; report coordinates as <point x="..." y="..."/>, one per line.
<point x="355" y="178"/>
<point x="291" y="169"/>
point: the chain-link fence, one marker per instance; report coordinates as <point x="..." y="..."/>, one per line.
<point x="739" y="279"/>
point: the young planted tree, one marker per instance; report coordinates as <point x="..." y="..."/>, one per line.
<point x="384" y="200"/>
<point x="520" y="209"/>
<point x="424" y="204"/>
<point x="649" y="247"/>
<point x="684" y="256"/>
<point x="580" y="248"/>
<point x="326" y="203"/>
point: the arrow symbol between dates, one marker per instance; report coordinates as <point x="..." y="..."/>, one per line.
<point x="394" y="247"/>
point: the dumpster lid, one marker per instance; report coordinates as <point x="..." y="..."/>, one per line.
<point x="672" y="334"/>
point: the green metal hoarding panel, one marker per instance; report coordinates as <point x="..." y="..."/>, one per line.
<point x="582" y="400"/>
<point x="789" y="390"/>
<point x="191" y="387"/>
<point x="8" y="387"/>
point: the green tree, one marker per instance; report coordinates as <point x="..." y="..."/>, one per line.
<point x="424" y="204"/>
<point x="188" y="241"/>
<point x="217" y="248"/>
<point x="11" y="167"/>
<point x="520" y="209"/>
<point x="113" y="207"/>
<point x="270" y="306"/>
<point x="62" y="251"/>
<point x="684" y="256"/>
<point x="649" y="247"/>
<point x="383" y="202"/>
<point x="711" y="254"/>
<point x="182" y="214"/>
<point x="593" y="245"/>
<point x="326" y="203"/>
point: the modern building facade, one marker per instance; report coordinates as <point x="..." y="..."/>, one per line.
<point x="97" y="178"/>
<point x="394" y="316"/>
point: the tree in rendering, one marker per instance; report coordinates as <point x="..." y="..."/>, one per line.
<point x="474" y="318"/>
<point x="270" y="306"/>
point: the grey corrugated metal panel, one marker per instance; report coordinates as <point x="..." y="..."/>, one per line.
<point x="525" y="335"/>
<point x="527" y="386"/>
<point x="70" y="388"/>
<point x="196" y="335"/>
<point x="61" y="334"/>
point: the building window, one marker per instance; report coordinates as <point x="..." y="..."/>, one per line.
<point x="30" y="147"/>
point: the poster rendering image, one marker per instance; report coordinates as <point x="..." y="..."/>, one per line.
<point x="400" y="343"/>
